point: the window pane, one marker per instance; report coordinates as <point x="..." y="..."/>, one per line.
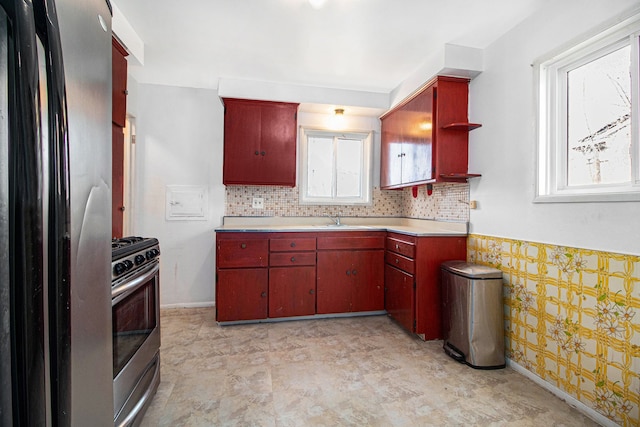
<point x="348" y="167"/>
<point x="320" y="166"/>
<point x="599" y="120"/>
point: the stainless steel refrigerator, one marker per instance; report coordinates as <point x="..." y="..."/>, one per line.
<point x="55" y="221"/>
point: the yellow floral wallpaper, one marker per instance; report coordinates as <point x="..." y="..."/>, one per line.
<point x="572" y="317"/>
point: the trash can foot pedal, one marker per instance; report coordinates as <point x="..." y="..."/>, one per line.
<point x="454" y="353"/>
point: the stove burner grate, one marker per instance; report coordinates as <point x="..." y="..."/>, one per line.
<point x="124" y="246"/>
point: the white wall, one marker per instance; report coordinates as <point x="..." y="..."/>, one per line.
<point x="504" y="149"/>
<point x="179" y="142"/>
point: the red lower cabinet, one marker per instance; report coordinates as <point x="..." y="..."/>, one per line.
<point x="350" y="272"/>
<point x="275" y="275"/>
<point x="400" y="296"/>
<point x="412" y="279"/>
<point x="241" y="294"/>
<point x="292" y="291"/>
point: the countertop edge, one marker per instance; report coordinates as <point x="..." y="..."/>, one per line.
<point x="312" y="229"/>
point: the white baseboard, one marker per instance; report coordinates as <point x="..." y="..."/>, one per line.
<point x="189" y="305"/>
<point x="571" y="401"/>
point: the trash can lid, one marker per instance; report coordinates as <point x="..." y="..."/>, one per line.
<point x="472" y="271"/>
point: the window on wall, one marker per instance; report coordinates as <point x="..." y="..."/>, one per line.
<point x="588" y="119"/>
<point x="335" y="167"/>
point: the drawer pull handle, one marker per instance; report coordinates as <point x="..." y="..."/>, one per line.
<point x="243" y="246"/>
<point x="311" y="292"/>
<point x="263" y="295"/>
<point x="293" y="244"/>
<point x="293" y="259"/>
<point x="397" y="261"/>
<point x="397" y="246"/>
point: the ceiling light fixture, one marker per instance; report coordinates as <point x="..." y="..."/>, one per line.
<point x="317" y="4"/>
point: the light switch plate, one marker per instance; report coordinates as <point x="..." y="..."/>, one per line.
<point x="258" y="203"/>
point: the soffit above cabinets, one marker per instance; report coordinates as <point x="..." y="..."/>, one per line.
<point x="362" y="45"/>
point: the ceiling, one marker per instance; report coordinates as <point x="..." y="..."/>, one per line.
<point x="363" y="45"/>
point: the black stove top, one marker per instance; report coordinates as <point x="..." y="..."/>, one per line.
<point x="130" y="254"/>
<point x="124" y="246"/>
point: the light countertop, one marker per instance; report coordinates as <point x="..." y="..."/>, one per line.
<point x="415" y="227"/>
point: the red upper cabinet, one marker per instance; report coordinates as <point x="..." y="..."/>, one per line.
<point x="425" y="139"/>
<point x="259" y="142"/>
<point x="119" y="83"/>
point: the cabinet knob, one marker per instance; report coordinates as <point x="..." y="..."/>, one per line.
<point x="399" y="155"/>
<point x="348" y="273"/>
<point x="243" y="245"/>
<point x="263" y="153"/>
<point x="397" y="260"/>
<point x="293" y="259"/>
<point x="263" y="295"/>
<point x="311" y="292"/>
<point x="397" y="246"/>
<point x="293" y="244"/>
<point x="354" y="272"/>
<point x="257" y="153"/>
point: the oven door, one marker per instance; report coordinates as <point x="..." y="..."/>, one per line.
<point x="136" y="335"/>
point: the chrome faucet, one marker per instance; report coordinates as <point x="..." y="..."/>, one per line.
<point x="336" y="219"/>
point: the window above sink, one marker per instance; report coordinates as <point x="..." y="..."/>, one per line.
<point x="335" y="167"/>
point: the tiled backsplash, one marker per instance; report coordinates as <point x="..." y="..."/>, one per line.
<point x="449" y="202"/>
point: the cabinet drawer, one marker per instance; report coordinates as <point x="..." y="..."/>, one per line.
<point x="401" y="262"/>
<point x="282" y="259"/>
<point x="293" y="244"/>
<point x="401" y="247"/>
<point x="368" y="242"/>
<point x="242" y="253"/>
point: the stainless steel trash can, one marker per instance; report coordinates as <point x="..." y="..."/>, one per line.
<point x="473" y="319"/>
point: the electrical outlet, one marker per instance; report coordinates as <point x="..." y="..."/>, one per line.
<point x="473" y="204"/>
<point x="258" y="203"/>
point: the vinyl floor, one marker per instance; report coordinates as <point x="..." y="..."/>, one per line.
<point x="359" y="371"/>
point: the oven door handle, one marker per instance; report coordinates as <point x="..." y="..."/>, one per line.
<point x="131" y="285"/>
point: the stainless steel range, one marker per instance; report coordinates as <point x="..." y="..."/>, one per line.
<point x="135" y="281"/>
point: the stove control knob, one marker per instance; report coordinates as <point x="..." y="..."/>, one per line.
<point x="139" y="259"/>
<point x="152" y="253"/>
<point x="119" y="268"/>
<point x="128" y="264"/>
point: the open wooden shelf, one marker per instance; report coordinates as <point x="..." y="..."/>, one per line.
<point x="466" y="126"/>
<point x="459" y="176"/>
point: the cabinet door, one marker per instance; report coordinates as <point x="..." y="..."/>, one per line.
<point x="278" y="144"/>
<point x="400" y="296"/>
<point x="242" y="159"/>
<point x="259" y="143"/>
<point x="292" y="291"/>
<point x="241" y="294"/>
<point x="117" y="181"/>
<point x="417" y="122"/>
<point x="367" y="273"/>
<point x="118" y="83"/>
<point x="334" y="282"/>
<point x="391" y="152"/>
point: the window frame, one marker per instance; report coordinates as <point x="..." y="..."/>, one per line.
<point x="366" y="180"/>
<point x="551" y="81"/>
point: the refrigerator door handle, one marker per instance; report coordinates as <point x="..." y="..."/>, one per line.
<point x="58" y="215"/>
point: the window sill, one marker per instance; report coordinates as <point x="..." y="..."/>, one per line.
<point x="588" y="198"/>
